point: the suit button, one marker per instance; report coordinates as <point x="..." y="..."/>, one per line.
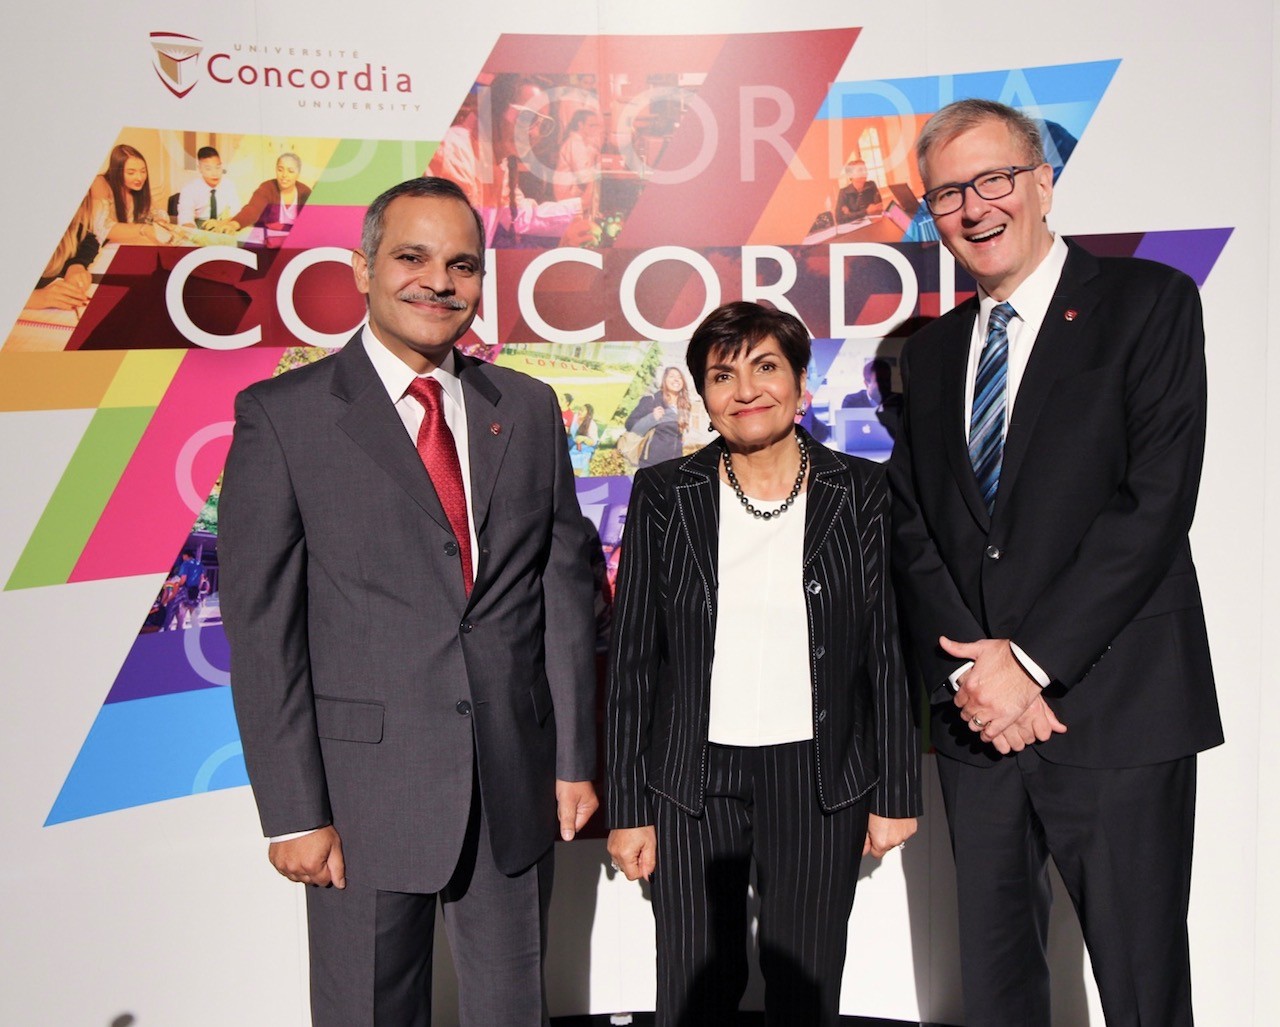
<point x="451" y="548"/>
<point x="813" y="587"/>
<point x="819" y="653"/>
<point x="822" y="715"/>
<point x="463" y="707"/>
<point x="994" y="553"/>
<point x="466" y="627"/>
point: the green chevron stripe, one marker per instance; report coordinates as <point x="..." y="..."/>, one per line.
<point x="81" y="496"/>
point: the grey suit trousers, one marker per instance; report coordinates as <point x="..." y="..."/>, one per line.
<point x="371" y="950"/>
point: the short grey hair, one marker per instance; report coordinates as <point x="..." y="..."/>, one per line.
<point x="291" y="158"/>
<point x="427" y="185"/>
<point x="963" y="115"/>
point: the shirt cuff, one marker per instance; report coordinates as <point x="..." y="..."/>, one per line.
<point x="957" y="674"/>
<point x="295" y="834"/>
<point x="1030" y="665"/>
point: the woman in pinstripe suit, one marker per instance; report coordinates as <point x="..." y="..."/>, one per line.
<point x="758" y="711"/>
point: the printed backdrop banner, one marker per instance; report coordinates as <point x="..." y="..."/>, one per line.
<point x="628" y="182"/>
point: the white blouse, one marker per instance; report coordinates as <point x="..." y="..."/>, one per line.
<point x="761" y="693"/>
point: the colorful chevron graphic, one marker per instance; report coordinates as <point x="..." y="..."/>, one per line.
<point x="717" y="173"/>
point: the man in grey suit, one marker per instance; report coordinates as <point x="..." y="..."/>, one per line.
<point x="406" y="590"/>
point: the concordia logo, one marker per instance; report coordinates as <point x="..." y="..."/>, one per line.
<point x="175" y="60"/>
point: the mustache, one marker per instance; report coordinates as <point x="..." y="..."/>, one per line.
<point x="416" y="295"/>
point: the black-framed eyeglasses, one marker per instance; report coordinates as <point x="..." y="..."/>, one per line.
<point x="995" y="184"/>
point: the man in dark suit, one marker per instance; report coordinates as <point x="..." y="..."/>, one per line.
<point x="1044" y="482"/>
<point x="406" y="590"/>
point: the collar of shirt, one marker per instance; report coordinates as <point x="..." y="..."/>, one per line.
<point x="396" y="377"/>
<point x="1030" y="303"/>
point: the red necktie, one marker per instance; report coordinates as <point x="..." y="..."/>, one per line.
<point x="440" y="457"/>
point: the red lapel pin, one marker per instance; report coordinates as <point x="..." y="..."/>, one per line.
<point x="1070" y="315"/>
<point x="495" y="428"/>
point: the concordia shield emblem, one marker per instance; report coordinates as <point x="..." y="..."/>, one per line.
<point x="175" y="60"/>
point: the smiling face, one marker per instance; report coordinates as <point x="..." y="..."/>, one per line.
<point x="286" y="175"/>
<point x="135" y="173"/>
<point x="752" y="398"/>
<point x="673" y="380"/>
<point x="999" y="242"/>
<point x="423" y="285"/>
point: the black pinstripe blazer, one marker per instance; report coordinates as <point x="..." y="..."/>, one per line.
<point x="664" y="630"/>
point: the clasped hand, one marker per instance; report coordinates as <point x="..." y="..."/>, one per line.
<point x="998" y="699"/>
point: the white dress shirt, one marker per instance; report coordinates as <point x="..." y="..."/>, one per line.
<point x="761" y="688"/>
<point x="193" y="200"/>
<point x="1030" y="302"/>
<point x="396" y="377"/>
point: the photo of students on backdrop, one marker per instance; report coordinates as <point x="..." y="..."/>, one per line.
<point x="273" y="208"/>
<point x="657" y="424"/>
<point x="561" y="159"/>
<point x="854" y="402"/>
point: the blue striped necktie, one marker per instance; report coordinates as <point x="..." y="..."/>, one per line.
<point x="986" y="422"/>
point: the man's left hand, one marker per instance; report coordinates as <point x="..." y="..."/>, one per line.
<point x="1038" y="723"/>
<point x="575" y="802"/>
<point x="995" y="691"/>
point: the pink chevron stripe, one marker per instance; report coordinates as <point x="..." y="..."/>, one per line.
<point x="326" y="226"/>
<point x="174" y="467"/>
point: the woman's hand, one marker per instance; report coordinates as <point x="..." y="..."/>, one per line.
<point x="886" y="833"/>
<point x="78" y="276"/>
<point x="60" y="294"/>
<point x="634" y="851"/>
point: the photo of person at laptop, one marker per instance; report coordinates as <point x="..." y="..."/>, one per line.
<point x="877" y="392"/>
<point x="859" y="197"/>
<point x="868" y="420"/>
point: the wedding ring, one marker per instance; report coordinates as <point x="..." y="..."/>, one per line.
<point x="978" y="722"/>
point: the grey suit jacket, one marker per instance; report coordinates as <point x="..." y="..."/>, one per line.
<point x="664" y="634"/>
<point x="363" y="676"/>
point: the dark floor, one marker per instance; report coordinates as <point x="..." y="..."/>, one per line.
<point x="744" y="1020"/>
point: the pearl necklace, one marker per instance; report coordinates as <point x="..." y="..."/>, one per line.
<point x="786" y="503"/>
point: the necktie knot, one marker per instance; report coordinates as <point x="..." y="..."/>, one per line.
<point x="1001" y="315"/>
<point x="426" y="391"/>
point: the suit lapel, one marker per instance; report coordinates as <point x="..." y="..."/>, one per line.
<point x="828" y="493"/>
<point x="486" y="447"/>
<point x="371" y="421"/>
<point x="954" y="369"/>
<point x="1056" y="346"/>
<point x="698" y="507"/>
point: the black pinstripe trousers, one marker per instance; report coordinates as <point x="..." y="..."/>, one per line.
<point x="762" y="807"/>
